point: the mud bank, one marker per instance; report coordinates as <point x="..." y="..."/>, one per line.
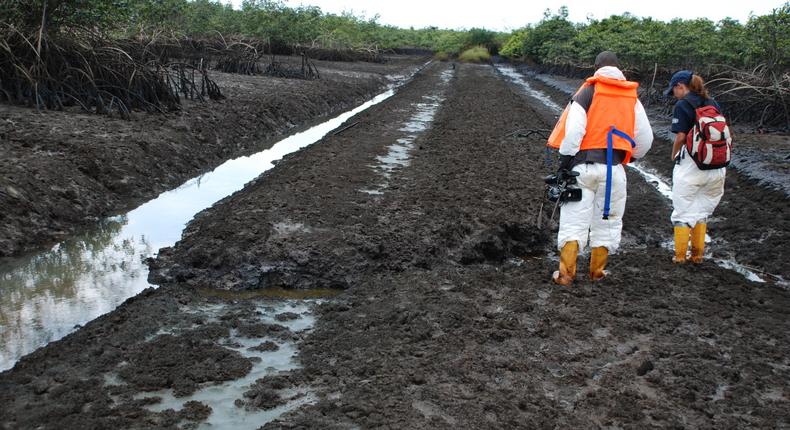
<point x="60" y="171"/>
<point x="447" y="317"/>
<point x="489" y="342"/>
<point x="48" y="294"/>
<point x="496" y="345"/>
<point x="358" y="150"/>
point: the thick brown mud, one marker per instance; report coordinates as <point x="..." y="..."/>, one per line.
<point x="60" y="171"/>
<point x="286" y="233"/>
<point x="447" y="317"/>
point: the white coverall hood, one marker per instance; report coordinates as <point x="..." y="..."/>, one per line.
<point x="610" y="72"/>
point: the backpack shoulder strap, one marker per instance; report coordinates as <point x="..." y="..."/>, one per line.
<point x="694" y="105"/>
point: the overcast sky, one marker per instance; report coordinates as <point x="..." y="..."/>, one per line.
<point x="509" y="15"/>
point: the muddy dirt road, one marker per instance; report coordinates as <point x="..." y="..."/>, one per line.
<point x="61" y="171"/>
<point x="421" y="217"/>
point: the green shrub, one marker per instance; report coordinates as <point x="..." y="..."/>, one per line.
<point x="477" y="54"/>
<point x="441" y="56"/>
<point x="514" y="46"/>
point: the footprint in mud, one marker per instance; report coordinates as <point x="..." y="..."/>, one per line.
<point x="499" y="243"/>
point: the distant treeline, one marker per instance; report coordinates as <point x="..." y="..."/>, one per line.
<point x="746" y="64"/>
<point x="642" y="42"/>
<point x="272" y="21"/>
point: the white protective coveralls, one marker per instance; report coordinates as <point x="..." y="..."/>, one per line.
<point x="695" y="192"/>
<point x="581" y="219"/>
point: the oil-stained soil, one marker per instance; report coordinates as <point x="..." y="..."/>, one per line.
<point x="60" y="171"/>
<point x="447" y="317"/>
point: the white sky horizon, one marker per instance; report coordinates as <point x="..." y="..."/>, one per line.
<point x="501" y="15"/>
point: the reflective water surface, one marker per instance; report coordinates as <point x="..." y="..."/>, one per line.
<point x="399" y="153"/>
<point x="46" y="296"/>
<point x="221" y="397"/>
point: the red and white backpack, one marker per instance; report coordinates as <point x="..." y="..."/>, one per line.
<point x="709" y="143"/>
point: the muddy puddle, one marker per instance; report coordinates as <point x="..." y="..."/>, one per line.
<point x="230" y="404"/>
<point x="399" y="153"/>
<point x="48" y="295"/>
<point x="652" y="177"/>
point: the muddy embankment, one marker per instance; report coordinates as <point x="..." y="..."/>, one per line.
<point x="60" y="171"/>
<point x="752" y="223"/>
<point x="425" y="213"/>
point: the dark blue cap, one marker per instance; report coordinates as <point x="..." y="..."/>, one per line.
<point x="680" y="77"/>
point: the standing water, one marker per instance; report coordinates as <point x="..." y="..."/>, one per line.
<point x="226" y="398"/>
<point x="46" y="296"/>
<point x="399" y="153"/>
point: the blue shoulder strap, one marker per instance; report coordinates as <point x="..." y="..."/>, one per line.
<point x="612" y="131"/>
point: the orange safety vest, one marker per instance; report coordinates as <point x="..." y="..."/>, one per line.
<point x="612" y="105"/>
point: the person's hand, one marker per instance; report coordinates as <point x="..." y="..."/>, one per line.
<point x="565" y="166"/>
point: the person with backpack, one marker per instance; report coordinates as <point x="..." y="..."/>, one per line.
<point x="701" y="151"/>
<point x="601" y="129"/>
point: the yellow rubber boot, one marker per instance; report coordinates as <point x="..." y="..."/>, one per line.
<point x="598" y="257"/>
<point x="681" y="243"/>
<point x="567" y="272"/>
<point x="698" y="242"/>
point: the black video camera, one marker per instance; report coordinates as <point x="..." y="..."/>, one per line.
<point x="557" y="188"/>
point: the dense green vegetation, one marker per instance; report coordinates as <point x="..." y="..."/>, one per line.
<point x="746" y="64"/>
<point x="642" y="42"/>
<point x="751" y="57"/>
<point x="264" y="19"/>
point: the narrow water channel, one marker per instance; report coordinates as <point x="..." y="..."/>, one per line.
<point x="399" y="153"/>
<point x="45" y="296"/>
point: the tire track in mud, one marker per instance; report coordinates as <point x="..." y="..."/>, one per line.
<point x="399" y="153"/>
<point x="394" y="337"/>
<point x="108" y="266"/>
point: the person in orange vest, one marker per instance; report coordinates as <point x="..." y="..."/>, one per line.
<point x="602" y="128"/>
